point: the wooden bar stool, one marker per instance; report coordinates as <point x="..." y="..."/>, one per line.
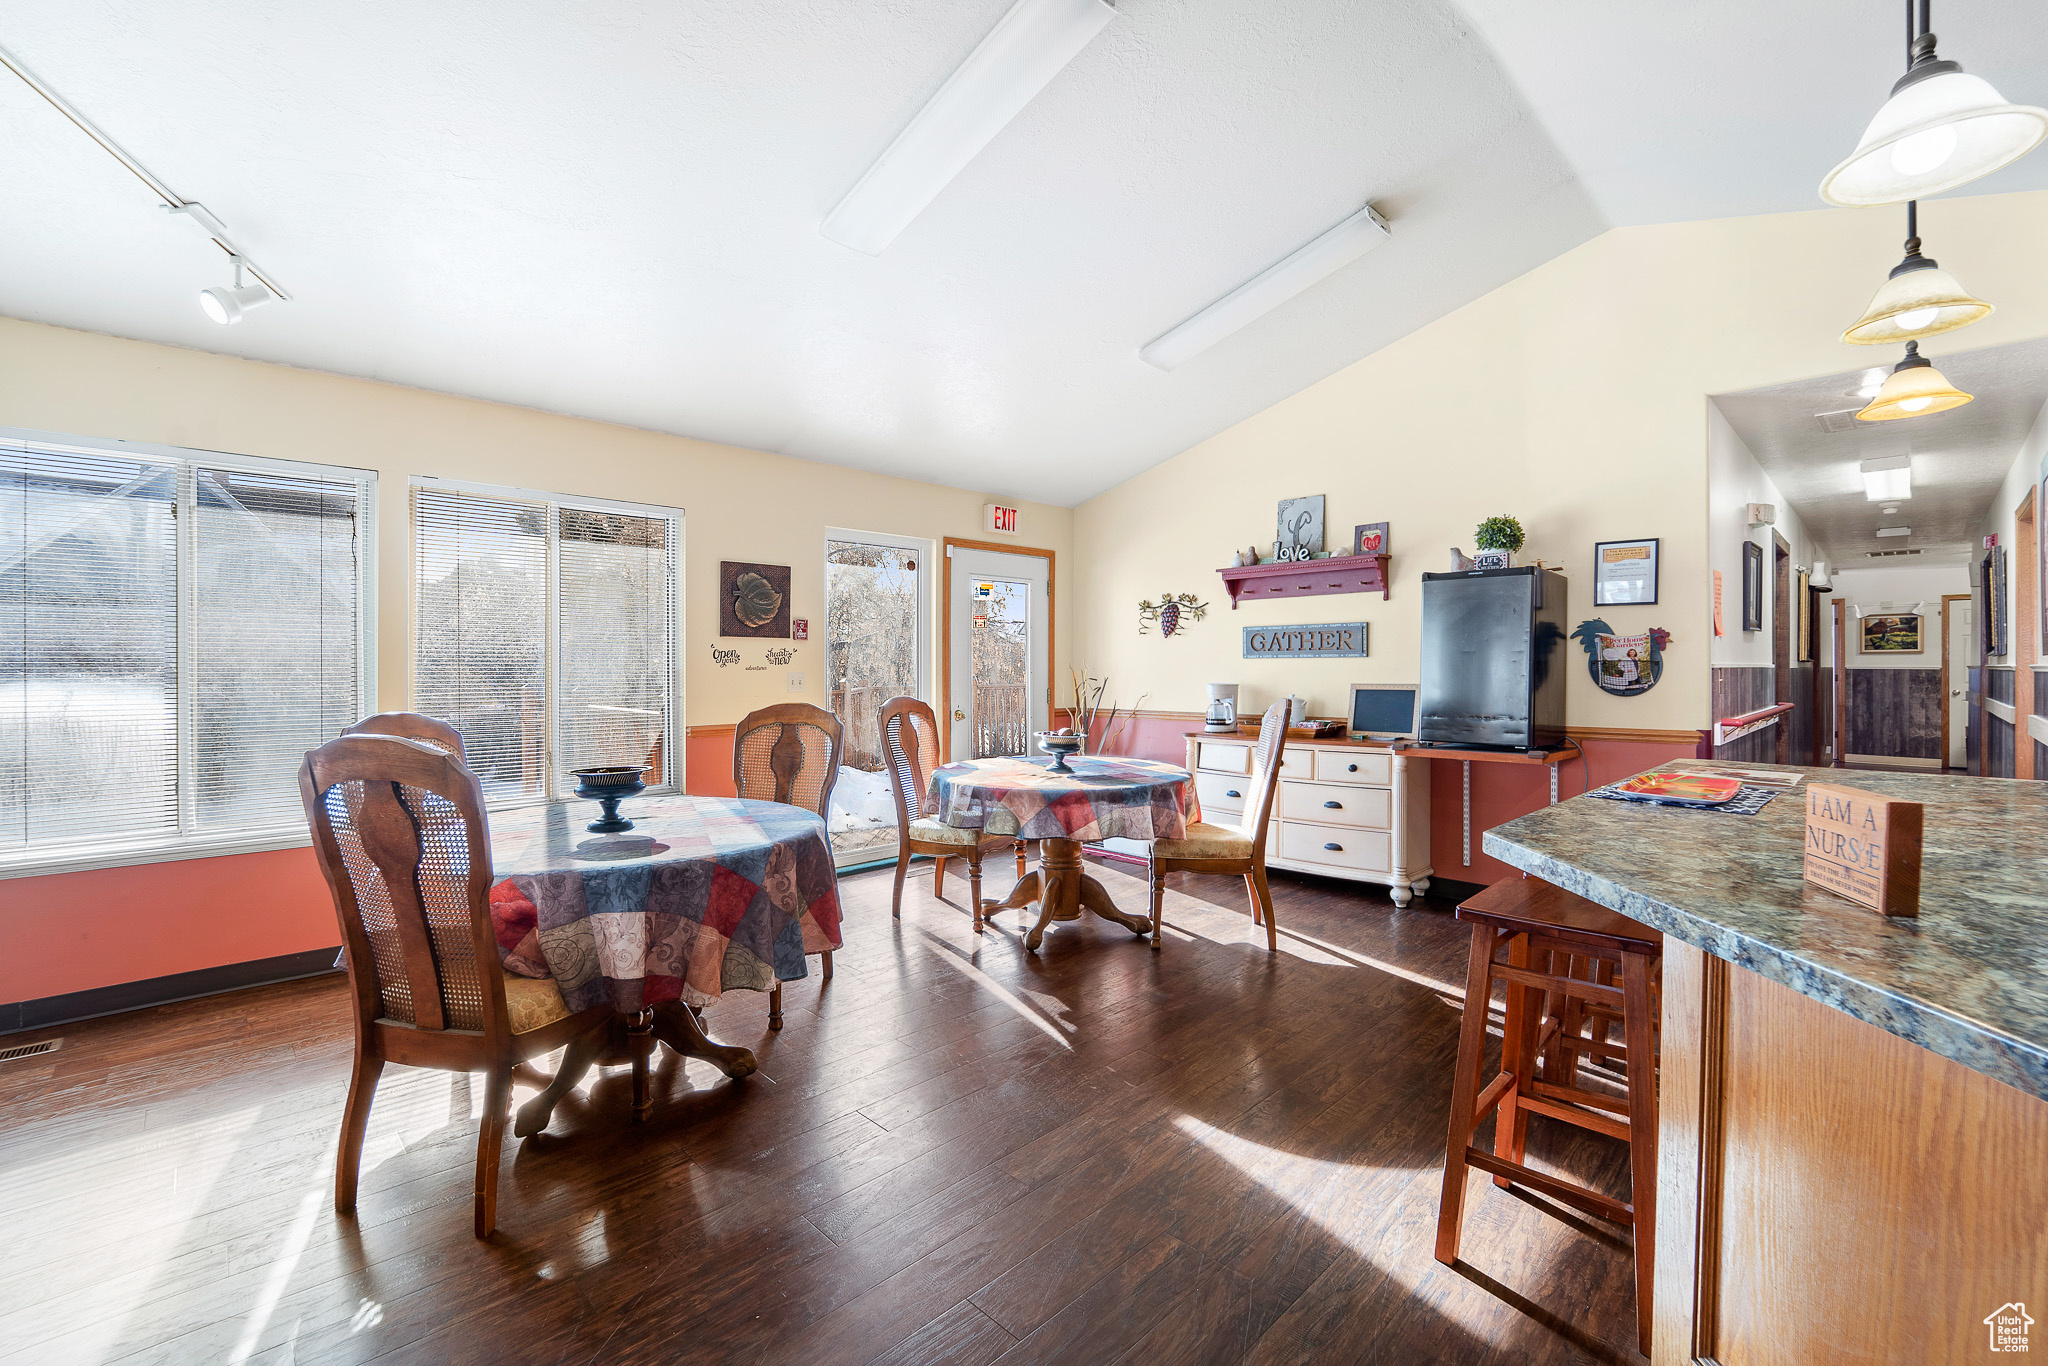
<point x="1564" y="956"/>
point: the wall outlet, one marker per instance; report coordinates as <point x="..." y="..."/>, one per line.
<point x="794" y="681"/>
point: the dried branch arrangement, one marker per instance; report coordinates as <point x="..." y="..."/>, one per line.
<point x="1087" y="711"/>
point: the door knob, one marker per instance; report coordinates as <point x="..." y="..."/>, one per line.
<point x="959" y="715"/>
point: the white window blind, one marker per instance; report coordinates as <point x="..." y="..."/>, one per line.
<point x="547" y="632"/>
<point x="176" y="631"/>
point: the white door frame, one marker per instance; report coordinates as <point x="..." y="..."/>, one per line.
<point x="945" y="665"/>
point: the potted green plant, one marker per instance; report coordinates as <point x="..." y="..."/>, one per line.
<point x="1502" y="535"/>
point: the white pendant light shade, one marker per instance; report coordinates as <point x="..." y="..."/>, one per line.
<point x="1917" y="301"/>
<point x="1937" y="131"/>
<point x="1915" y="389"/>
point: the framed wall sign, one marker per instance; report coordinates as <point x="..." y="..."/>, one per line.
<point x="1372" y="539"/>
<point x="1624" y="572"/>
<point x="1752" y="586"/>
<point x="1329" y="640"/>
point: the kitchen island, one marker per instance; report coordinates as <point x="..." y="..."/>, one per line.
<point x="1853" y="1123"/>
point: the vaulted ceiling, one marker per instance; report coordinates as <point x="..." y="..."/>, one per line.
<point x="611" y="209"/>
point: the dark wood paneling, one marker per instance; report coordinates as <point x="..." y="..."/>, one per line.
<point x="1823" y="712"/>
<point x="1998" y="744"/>
<point x="1998" y="684"/>
<point x="1895" y="713"/>
<point x="1740" y="690"/>
<point x="1799" y="722"/>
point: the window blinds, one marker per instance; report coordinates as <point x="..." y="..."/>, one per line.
<point x="546" y="634"/>
<point x="119" y="723"/>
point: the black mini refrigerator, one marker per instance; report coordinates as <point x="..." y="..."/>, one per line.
<point x="1493" y="658"/>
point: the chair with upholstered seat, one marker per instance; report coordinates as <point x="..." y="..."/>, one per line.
<point x="411" y="725"/>
<point x="400" y="832"/>
<point x="788" y="753"/>
<point x="910" y="746"/>
<point x="1234" y="850"/>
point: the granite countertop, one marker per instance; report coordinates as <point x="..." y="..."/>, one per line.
<point x="1968" y="979"/>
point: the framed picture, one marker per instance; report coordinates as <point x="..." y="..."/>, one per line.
<point x="1624" y="572"/>
<point x="1752" y="586"/>
<point x="1993" y="569"/>
<point x="753" y="599"/>
<point x="1372" y="539"/>
<point x="1891" y="633"/>
<point x="1300" y="532"/>
<point x="1802" y="621"/>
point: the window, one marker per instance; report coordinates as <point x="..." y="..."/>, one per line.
<point x="548" y="631"/>
<point x="875" y="614"/>
<point x="177" y="629"/>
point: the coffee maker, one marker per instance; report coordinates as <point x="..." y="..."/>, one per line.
<point x="1222" y="714"/>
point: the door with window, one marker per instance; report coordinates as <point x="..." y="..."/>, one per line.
<point x="877" y="614"/>
<point x="999" y="635"/>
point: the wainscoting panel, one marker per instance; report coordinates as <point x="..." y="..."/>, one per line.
<point x="1999" y="751"/>
<point x="1895" y="713"/>
<point x="1738" y="691"/>
<point x="1799" y="722"/>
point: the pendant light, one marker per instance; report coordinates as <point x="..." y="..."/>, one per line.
<point x="1915" y="389"/>
<point x="1920" y="299"/>
<point x="1941" y="128"/>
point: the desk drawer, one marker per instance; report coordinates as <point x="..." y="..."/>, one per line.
<point x="1222" y="796"/>
<point x="1297" y="763"/>
<point x="1370" y="850"/>
<point x="1221" y="758"/>
<point x="1373" y="767"/>
<point x="1332" y="804"/>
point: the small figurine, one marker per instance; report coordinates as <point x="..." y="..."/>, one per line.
<point x="1251" y="555"/>
<point x="1460" y="560"/>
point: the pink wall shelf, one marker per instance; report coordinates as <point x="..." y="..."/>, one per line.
<point x="1308" y="578"/>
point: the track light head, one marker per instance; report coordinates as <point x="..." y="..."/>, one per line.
<point x="227" y="303"/>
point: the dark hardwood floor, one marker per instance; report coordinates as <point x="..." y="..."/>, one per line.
<point x="957" y="1152"/>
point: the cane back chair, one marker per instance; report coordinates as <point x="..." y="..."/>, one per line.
<point x="910" y="746"/>
<point x="401" y="835"/>
<point x="789" y="753"/>
<point x="410" y="725"/>
<point x="1238" y="850"/>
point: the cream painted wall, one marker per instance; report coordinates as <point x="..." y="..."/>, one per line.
<point x="1573" y="397"/>
<point x="1734" y="481"/>
<point x="2029" y="469"/>
<point x="740" y="504"/>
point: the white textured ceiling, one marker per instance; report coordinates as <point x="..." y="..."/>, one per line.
<point x="611" y="209"/>
<point x="1960" y="457"/>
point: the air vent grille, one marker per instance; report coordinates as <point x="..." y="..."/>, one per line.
<point x="30" y="1050"/>
<point x="1887" y="554"/>
<point x="1841" y="420"/>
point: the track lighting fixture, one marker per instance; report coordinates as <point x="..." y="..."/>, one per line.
<point x="226" y="304"/>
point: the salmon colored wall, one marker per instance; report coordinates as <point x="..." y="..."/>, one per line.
<point x="1500" y="792"/>
<point x="77" y="931"/>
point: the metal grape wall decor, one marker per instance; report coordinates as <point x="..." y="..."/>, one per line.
<point x="1172" y="611"/>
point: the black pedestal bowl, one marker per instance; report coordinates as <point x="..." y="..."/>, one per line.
<point x="608" y="786"/>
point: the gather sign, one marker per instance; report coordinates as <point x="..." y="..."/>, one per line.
<point x="1865" y="847"/>
<point x="1330" y="640"/>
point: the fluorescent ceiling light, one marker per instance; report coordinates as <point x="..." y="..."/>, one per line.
<point x="1889" y="479"/>
<point x="1006" y="70"/>
<point x="1267" y="290"/>
<point x="1895" y="531"/>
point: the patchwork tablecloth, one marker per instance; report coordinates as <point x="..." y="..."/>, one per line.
<point x="1104" y="797"/>
<point x="703" y="895"/>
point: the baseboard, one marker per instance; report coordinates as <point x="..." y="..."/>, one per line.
<point x="1894" y="761"/>
<point x="74" y="1006"/>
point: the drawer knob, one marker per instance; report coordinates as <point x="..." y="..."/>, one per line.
<point x="1353" y="768"/>
<point x="1232" y="792"/>
<point x="1333" y="806"/>
<point x="1334" y="848"/>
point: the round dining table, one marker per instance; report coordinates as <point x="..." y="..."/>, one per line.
<point x="1103" y="797"/>
<point x="702" y="896"/>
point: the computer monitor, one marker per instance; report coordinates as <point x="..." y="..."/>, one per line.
<point x="1383" y="711"/>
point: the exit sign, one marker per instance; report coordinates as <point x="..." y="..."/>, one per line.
<point x="996" y="517"/>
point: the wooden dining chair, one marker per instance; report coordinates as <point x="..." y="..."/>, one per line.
<point x="789" y="753"/>
<point x="411" y="725"/>
<point x="1238" y="850"/>
<point x="400" y="833"/>
<point x="910" y="746"/>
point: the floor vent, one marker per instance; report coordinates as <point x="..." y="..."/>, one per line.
<point x="30" y="1050"/>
